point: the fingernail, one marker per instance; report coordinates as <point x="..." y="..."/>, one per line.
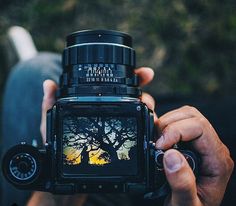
<point x="149" y="68"/>
<point x="173" y="161"/>
<point x="160" y="142"/>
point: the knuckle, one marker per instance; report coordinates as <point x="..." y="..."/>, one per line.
<point x="203" y="121"/>
<point x="226" y="149"/>
<point x="229" y="162"/>
<point x="230" y="166"/>
<point x="190" y="109"/>
<point x="226" y="165"/>
<point x="172" y="133"/>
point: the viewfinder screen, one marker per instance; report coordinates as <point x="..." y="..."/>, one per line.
<point x="99" y="145"/>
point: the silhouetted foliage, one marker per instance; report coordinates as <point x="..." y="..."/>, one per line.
<point x="109" y="134"/>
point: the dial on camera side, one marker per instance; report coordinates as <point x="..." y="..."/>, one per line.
<point x="22" y="165"/>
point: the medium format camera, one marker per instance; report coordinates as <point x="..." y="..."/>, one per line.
<point x="100" y="136"/>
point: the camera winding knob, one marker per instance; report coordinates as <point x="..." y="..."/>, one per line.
<point x="23" y="166"/>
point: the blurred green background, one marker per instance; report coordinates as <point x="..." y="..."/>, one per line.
<point x="191" y="45"/>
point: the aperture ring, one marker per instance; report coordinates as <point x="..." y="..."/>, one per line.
<point x="103" y="90"/>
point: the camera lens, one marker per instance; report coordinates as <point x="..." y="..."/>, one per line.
<point x="99" y="63"/>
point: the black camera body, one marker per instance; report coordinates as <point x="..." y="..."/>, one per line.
<point x="100" y="136"/>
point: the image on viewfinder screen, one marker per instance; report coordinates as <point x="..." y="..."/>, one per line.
<point x="104" y="145"/>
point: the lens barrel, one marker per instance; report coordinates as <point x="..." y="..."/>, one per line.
<point x="99" y="63"/>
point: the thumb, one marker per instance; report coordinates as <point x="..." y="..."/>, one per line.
<point x="181" y="180"/>
<point x="49" y="90"/>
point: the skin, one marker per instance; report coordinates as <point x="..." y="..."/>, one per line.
<point x="184" y="124"/>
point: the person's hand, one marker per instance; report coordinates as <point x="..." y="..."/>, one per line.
<point x="188" y="124"/>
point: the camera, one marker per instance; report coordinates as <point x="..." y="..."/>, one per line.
<point x="100" y="136"/>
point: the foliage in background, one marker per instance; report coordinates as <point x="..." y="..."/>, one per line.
<point x="191" y="45"/>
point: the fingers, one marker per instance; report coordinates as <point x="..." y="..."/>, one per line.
<point x="194" y="130"/>
<point x="49" y="90"/>
<point x="188" y="124"/>
<point x="148" y="100"/>
<point x="184" y="112"/>
<point x="145" y="74"/>
<point x="181" y="180"/>
<point x="183" y="130"/>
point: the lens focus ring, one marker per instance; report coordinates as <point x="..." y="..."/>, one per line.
<point x="98" y="53"/>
